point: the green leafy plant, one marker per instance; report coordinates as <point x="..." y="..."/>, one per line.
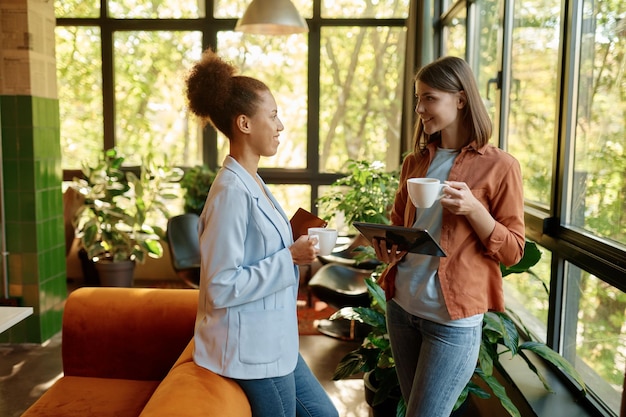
<point x="115" y="220"/>
<point x="500" y="336"/>
<point x="364" y="195"/>
<point x="196" y="182"/>
<point x="374" y="354"/>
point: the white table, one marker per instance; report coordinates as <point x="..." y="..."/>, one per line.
<point x="10" y="316"/>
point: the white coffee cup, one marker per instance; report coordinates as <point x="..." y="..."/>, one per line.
<point x="326" y="239"/>
<point x="425" y="191"/>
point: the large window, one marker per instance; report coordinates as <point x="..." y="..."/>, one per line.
<point x="80" y="98"/>
<point x="150" y="115"/>
<point x="559" y="107"/>
<point x="282" y="64"/>
<point x="339" y="88"/>
<point x="532" y="110"/>
<point x="597" y="202"/>
<point x="594" y="338"/>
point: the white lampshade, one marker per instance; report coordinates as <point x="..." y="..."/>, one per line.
<point x="271" y="17"/>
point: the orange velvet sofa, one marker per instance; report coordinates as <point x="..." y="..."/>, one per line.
<point x="127" y="352"/>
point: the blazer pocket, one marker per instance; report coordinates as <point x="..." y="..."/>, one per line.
<point x="260" y="336"/>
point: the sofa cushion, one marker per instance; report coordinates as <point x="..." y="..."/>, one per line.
<point x="126" y="333"/>
<point x="74" y="396"/>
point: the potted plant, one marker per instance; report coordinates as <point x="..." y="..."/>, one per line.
<point x="500" y="336"/>
<point x="196" y="182"/>
<point x="373" y="357"/>
<point x="115" y="222"/>
<point x="364" y="195"/>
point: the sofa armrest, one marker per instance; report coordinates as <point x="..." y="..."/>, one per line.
<point x="191" y="391"/>
<point x="126" y="333"/>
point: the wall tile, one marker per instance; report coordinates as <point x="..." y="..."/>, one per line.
<point x="13" y="233"/>
<point x="9" y="141"/>
<point x="28" y="241"/>
<point x="24" y="111"/>
<point x="30" y="268"/>
<point x="28" y="206"/>
<point x="25" y="138"/>
<point x="8" y="107"/>
<point x="30" y="297"/>
<point x="12" y="211"/>
<point x="10" y="174"/>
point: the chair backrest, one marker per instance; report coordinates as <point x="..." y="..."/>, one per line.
<point x="183" y="241"/>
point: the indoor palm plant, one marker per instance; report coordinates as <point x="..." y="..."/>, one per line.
<point x="114" y="224"/>
<point x="500" y="336"/>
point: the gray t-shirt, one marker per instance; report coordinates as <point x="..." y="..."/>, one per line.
<point x="417" y="283"/>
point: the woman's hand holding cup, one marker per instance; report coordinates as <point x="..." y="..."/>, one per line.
<point x="326" y="239"/>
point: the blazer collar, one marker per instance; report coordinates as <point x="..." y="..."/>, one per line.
<point x="263" y="204"/>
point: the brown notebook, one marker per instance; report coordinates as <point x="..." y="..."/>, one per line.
<point x="302" y="220"/>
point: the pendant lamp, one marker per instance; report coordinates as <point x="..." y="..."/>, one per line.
<point x="271" y="17"/>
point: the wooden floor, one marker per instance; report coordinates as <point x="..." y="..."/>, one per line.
<point x="322" y="353"/>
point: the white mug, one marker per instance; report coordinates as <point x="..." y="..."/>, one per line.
<point x="326" y="239"/>
<point x="424" y="191"/>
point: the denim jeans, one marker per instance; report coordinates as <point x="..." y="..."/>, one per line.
<point x="297" y="394"/>
<point x="434" y="362"/>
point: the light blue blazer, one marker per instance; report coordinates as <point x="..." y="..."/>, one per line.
<point x="246" y="327"/>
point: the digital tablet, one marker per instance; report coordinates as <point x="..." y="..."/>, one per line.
<point x="407" y="239"/>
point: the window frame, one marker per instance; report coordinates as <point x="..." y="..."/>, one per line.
<point x="209" y="26"/>
<point x="604" y="259"/>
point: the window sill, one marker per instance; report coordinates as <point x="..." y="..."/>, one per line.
<point x="532" y="399"/>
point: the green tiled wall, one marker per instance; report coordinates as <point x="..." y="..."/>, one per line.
<point x="31" y="164"/>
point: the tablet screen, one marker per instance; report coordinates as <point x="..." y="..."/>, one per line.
<point x="407" y="238"/>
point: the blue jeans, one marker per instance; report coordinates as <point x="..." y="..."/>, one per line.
<point x="434" y="362"/>
<point x="297" y="394"/>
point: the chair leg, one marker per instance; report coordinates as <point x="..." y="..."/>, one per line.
<point x="343" y="329"/>
<point x="189" y="277"/>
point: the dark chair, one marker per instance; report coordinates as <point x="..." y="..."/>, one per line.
<point x="346" y="254"/>
<point x="341" y="286"/>
<point x="182" y="236"/>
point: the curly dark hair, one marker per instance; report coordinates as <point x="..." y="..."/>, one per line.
<point x="217" y="95"/>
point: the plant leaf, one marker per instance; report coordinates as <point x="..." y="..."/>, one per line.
<point x="471" y="389"/>
<point x="532" y="255"/>
<point x="499" y="391"/>
<point x="486" y="356"/>
<point x="556" y="359"/>
<point x="401" y="408"/>
<point x="351" y="364"/>
<point x="377" y="293"/>
<point x="510" y="336"/>
<point x="533" y="368"/>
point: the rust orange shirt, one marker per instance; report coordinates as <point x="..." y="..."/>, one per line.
<point x="470" y="276"/>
